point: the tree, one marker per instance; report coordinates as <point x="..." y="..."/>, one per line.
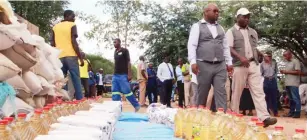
<point x="40" y="13"/>
<point x="123" y="23"/>
<point x="169" y="30"/>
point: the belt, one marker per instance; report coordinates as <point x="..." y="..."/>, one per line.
<point x="212" y="62"/>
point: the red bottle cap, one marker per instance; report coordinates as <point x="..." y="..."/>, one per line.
<point x="46" y="108"/>
<point x="299" y="130"/>
<point x="10" y="119"/>
<point x="4" y="122"/>
<point x="221" y="109"/>
<point x="22" y="115"/>
<point x="201" y="107"/>
<point x="239" y="115"/>
<point x="50" y="105"/>
<point x="259" y="124"/>
<point x="59" y="102"/>
<point x="254" y="119"/>
<point x="279" y="128"/>
<point x="38" y="111"/>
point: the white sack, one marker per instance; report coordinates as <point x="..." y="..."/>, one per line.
<point x="8" y="68"/>
<point x="21" y="89"/>
<point x="32" y="82"/>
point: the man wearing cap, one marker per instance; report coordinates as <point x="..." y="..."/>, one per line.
<point x="209" y="55"/>
<point x="99" y="81"/>
<point x="243" y="46"/>
<point x="269" y="71"/>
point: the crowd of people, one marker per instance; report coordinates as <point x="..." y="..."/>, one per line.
<point x="224" y="70"/>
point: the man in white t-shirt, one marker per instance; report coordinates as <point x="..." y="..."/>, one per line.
<point x="99" y="80"/>
<point x="142" y="79"/>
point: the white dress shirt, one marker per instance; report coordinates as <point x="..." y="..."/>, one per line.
<point x="100" y="80"/>
<point x="179" y="74"/>
<point x="193" y="42"/>
<point x="164" y="73"/>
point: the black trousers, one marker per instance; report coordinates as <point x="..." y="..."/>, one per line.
<point x="84" y="82"/>
<point x="167" y="92"/>
<point x="100" y="89"/>
<point x="180" y="87"/>
<point x="152" y="91"/>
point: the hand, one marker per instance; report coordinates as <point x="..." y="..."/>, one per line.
<point x="81" y="62"/>
<point x="129" y="77"/>
<point x="229" y="69"/>
<point x="282" y="71"/>
<point x="195" y="69"/>
<point x="244" y="62"/>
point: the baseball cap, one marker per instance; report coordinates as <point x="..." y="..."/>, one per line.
<point x="243" y="11"/>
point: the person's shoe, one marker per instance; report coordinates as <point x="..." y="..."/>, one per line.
<point x="269" y="121"/>
<point x="136" y="109"/>
<point x="296" y="115"/>
<point x="288" y="115"/>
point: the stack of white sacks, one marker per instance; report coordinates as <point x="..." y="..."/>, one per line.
<point x="28" y="64"/>
<point x="96" y="124"/>
<point x="158" y="113"/>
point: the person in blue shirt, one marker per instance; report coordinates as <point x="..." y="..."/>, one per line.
<point x="91" y="82"/>
<point x="151" y="88"/>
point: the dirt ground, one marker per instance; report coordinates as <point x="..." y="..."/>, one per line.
<point x="289" y="124"/>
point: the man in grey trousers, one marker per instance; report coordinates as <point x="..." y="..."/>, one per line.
<point x="209" y="56"/>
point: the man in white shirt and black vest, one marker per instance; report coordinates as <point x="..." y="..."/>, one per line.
<point x="209" y="57"/>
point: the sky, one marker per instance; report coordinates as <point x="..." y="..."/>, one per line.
<point x="89" y="46"/>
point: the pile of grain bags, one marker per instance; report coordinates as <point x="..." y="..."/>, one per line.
<point x="28" y="64"/>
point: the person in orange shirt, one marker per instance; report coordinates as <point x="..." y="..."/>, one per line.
<point x="64" y="37"/>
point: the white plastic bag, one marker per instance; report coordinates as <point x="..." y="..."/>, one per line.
<point x="21" y="107"/>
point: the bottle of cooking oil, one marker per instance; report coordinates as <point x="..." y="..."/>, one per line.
<point x="12" y="125"/>
<point x="278" y="133"/>
<point x="196" y="126"/>
<point x="299" y="135"/>
<point x="227" y="125"/>
<point x="24" y="128"/>
<point x="48" y="116"/>
<point x="205" y="125"/>
<point x="53" y="111"/>
<point x="178" y="123"/>
<point x="250" y="129"/>
<point x="214" y="128"/>
<point x="260" y="132"/>
<point x="38" y="124"/>
<point x="5" y="133"/>
<point x="188" y="127"/>
<point x="238" y="128"/>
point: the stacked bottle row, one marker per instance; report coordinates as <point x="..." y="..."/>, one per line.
<point x="202" y="124"/>
<point x="39" y="123"/>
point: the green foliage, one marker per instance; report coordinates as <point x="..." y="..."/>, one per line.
<point x="98" y="62"/>
<point x="40" y="13"/>
<point x="280" y="24"/>
<point x="123" y="23"/>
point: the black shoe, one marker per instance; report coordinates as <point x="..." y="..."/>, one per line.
<point x="288" y="115"/>
<point x="269" y="121"/>
<point x="296" y="115"/>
